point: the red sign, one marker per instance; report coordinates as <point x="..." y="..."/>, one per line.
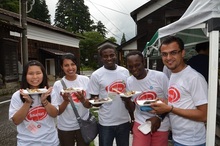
<point x="173" y="95"/>
<point x="118" y="85"/>
<point x="36" y="114"/>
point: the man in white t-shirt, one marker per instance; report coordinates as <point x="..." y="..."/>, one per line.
<point x="152" y="84"/>
<point x="109" y="81"/>
<point x="187" y="96"/>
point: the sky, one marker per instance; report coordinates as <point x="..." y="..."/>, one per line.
<point x="114" y="14"/>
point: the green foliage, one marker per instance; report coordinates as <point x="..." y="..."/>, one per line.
<point x="100" y="27"/>
<point x="92" y="143"/>
<point x="88" y="48"/>
<point x="10" y="5"/>
<point x="123" y="40"/>
<point x="73" y="16"/>
<point x="112" y="39"/>
<point x="39" y="11"/>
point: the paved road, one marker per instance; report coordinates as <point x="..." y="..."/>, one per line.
<point x="7" y="128"/>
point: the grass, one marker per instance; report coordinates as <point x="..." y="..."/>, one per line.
<point x="86" y="68"/>
<point x="93" y="111"/>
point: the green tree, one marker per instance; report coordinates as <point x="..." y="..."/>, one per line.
<point x="112" y="39"/>
<point x="100" y="27"/>
<point x="39" y="11"/>
<point x="73" y="16"/>
<point x="123" y="40"/>
<point x="88" y="48"/>
<point x="10" y="5"/>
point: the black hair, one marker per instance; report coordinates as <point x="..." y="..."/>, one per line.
<point x="68" y="56"/>
<point x="135" y="53"/>
<point x="25" y="84"/>
<point x="106" y="47"/>
<point x="202" y="46"/>
<point x="171" y="39"/>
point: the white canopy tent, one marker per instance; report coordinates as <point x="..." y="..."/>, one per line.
<point x="200" y="23"/>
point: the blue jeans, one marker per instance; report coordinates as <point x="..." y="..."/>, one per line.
<point x="178" y="144"/>
<point x="119" y="132"/>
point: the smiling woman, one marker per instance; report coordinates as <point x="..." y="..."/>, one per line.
<point x="34" y="113"/>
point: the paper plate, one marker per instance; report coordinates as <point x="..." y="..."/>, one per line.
<point x="145" y="128"/>
<point x="145" y="102"/>
<point x="75" y="89"/>
<point x="100" y="102"/>
<point x="38" y="91"/>
<point x="125" y="95"/>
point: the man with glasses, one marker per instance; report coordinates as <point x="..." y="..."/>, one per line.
<point x="187" y="96"/>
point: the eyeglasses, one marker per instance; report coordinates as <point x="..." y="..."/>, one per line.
<point x="172" y="53"/>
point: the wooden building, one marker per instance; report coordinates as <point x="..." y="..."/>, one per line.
<point x="149" y="18"/>
<point x="46" y="43"/>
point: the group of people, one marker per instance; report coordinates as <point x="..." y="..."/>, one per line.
<point x="183" y="106"/>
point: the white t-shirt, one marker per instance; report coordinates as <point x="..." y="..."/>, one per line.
<point x="67" y="120"/>
<point x="43" y="130"/>
<point x="154" y="85"/>
<point x="166" y="71"/>
<point x="187" y="89"/>
<point x="102" y="81"/>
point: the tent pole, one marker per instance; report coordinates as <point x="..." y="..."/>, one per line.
<point x="212" y="87"/>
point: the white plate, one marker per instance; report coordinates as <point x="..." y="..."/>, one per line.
<point x="145" y="128"/>
<point x="71" y="91"/>
<point x="41" y="90"/>
<point x="100" y="102"/>
<point x="123" y="95"/>
<point x="142" y="102"/>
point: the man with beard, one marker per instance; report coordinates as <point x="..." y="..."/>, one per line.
<point x="187" y="96"/>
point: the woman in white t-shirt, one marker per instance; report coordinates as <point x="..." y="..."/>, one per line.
<point x="67" y="124"/>
<point x="33" y="113"/>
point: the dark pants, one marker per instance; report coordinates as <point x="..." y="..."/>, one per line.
<point x="69" y="138"/>
<point x="119" y="132"/>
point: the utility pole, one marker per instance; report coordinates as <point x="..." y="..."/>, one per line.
<point x="24" y="31"/>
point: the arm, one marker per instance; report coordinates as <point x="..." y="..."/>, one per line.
<point x="199" y="114"/>
<point x="21" y="114"/>
<point x="85" y="102"/>
<point x="51" y="110"/>
<point x="64" y="104"/>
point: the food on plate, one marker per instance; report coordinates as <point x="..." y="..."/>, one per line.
<point x="33" y="90"/>
<point x="129" y="93"/>
<point x="71" y="89"/>
<point x="100" y="100"/>
<point x="150" y="101"/>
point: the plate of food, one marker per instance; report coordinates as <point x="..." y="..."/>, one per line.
<point x="35" y="91"/>
<point x="146" y="102"/>
<point x="129" y="93"/>
<point x="71" y="90"/>
<point x="100" y="101"/>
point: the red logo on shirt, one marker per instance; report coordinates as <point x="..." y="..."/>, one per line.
<point x="147" y="95"/>
<point x="36" y="114"/>
<point x="118" y="85"/>
<point x="173" y="95"/>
